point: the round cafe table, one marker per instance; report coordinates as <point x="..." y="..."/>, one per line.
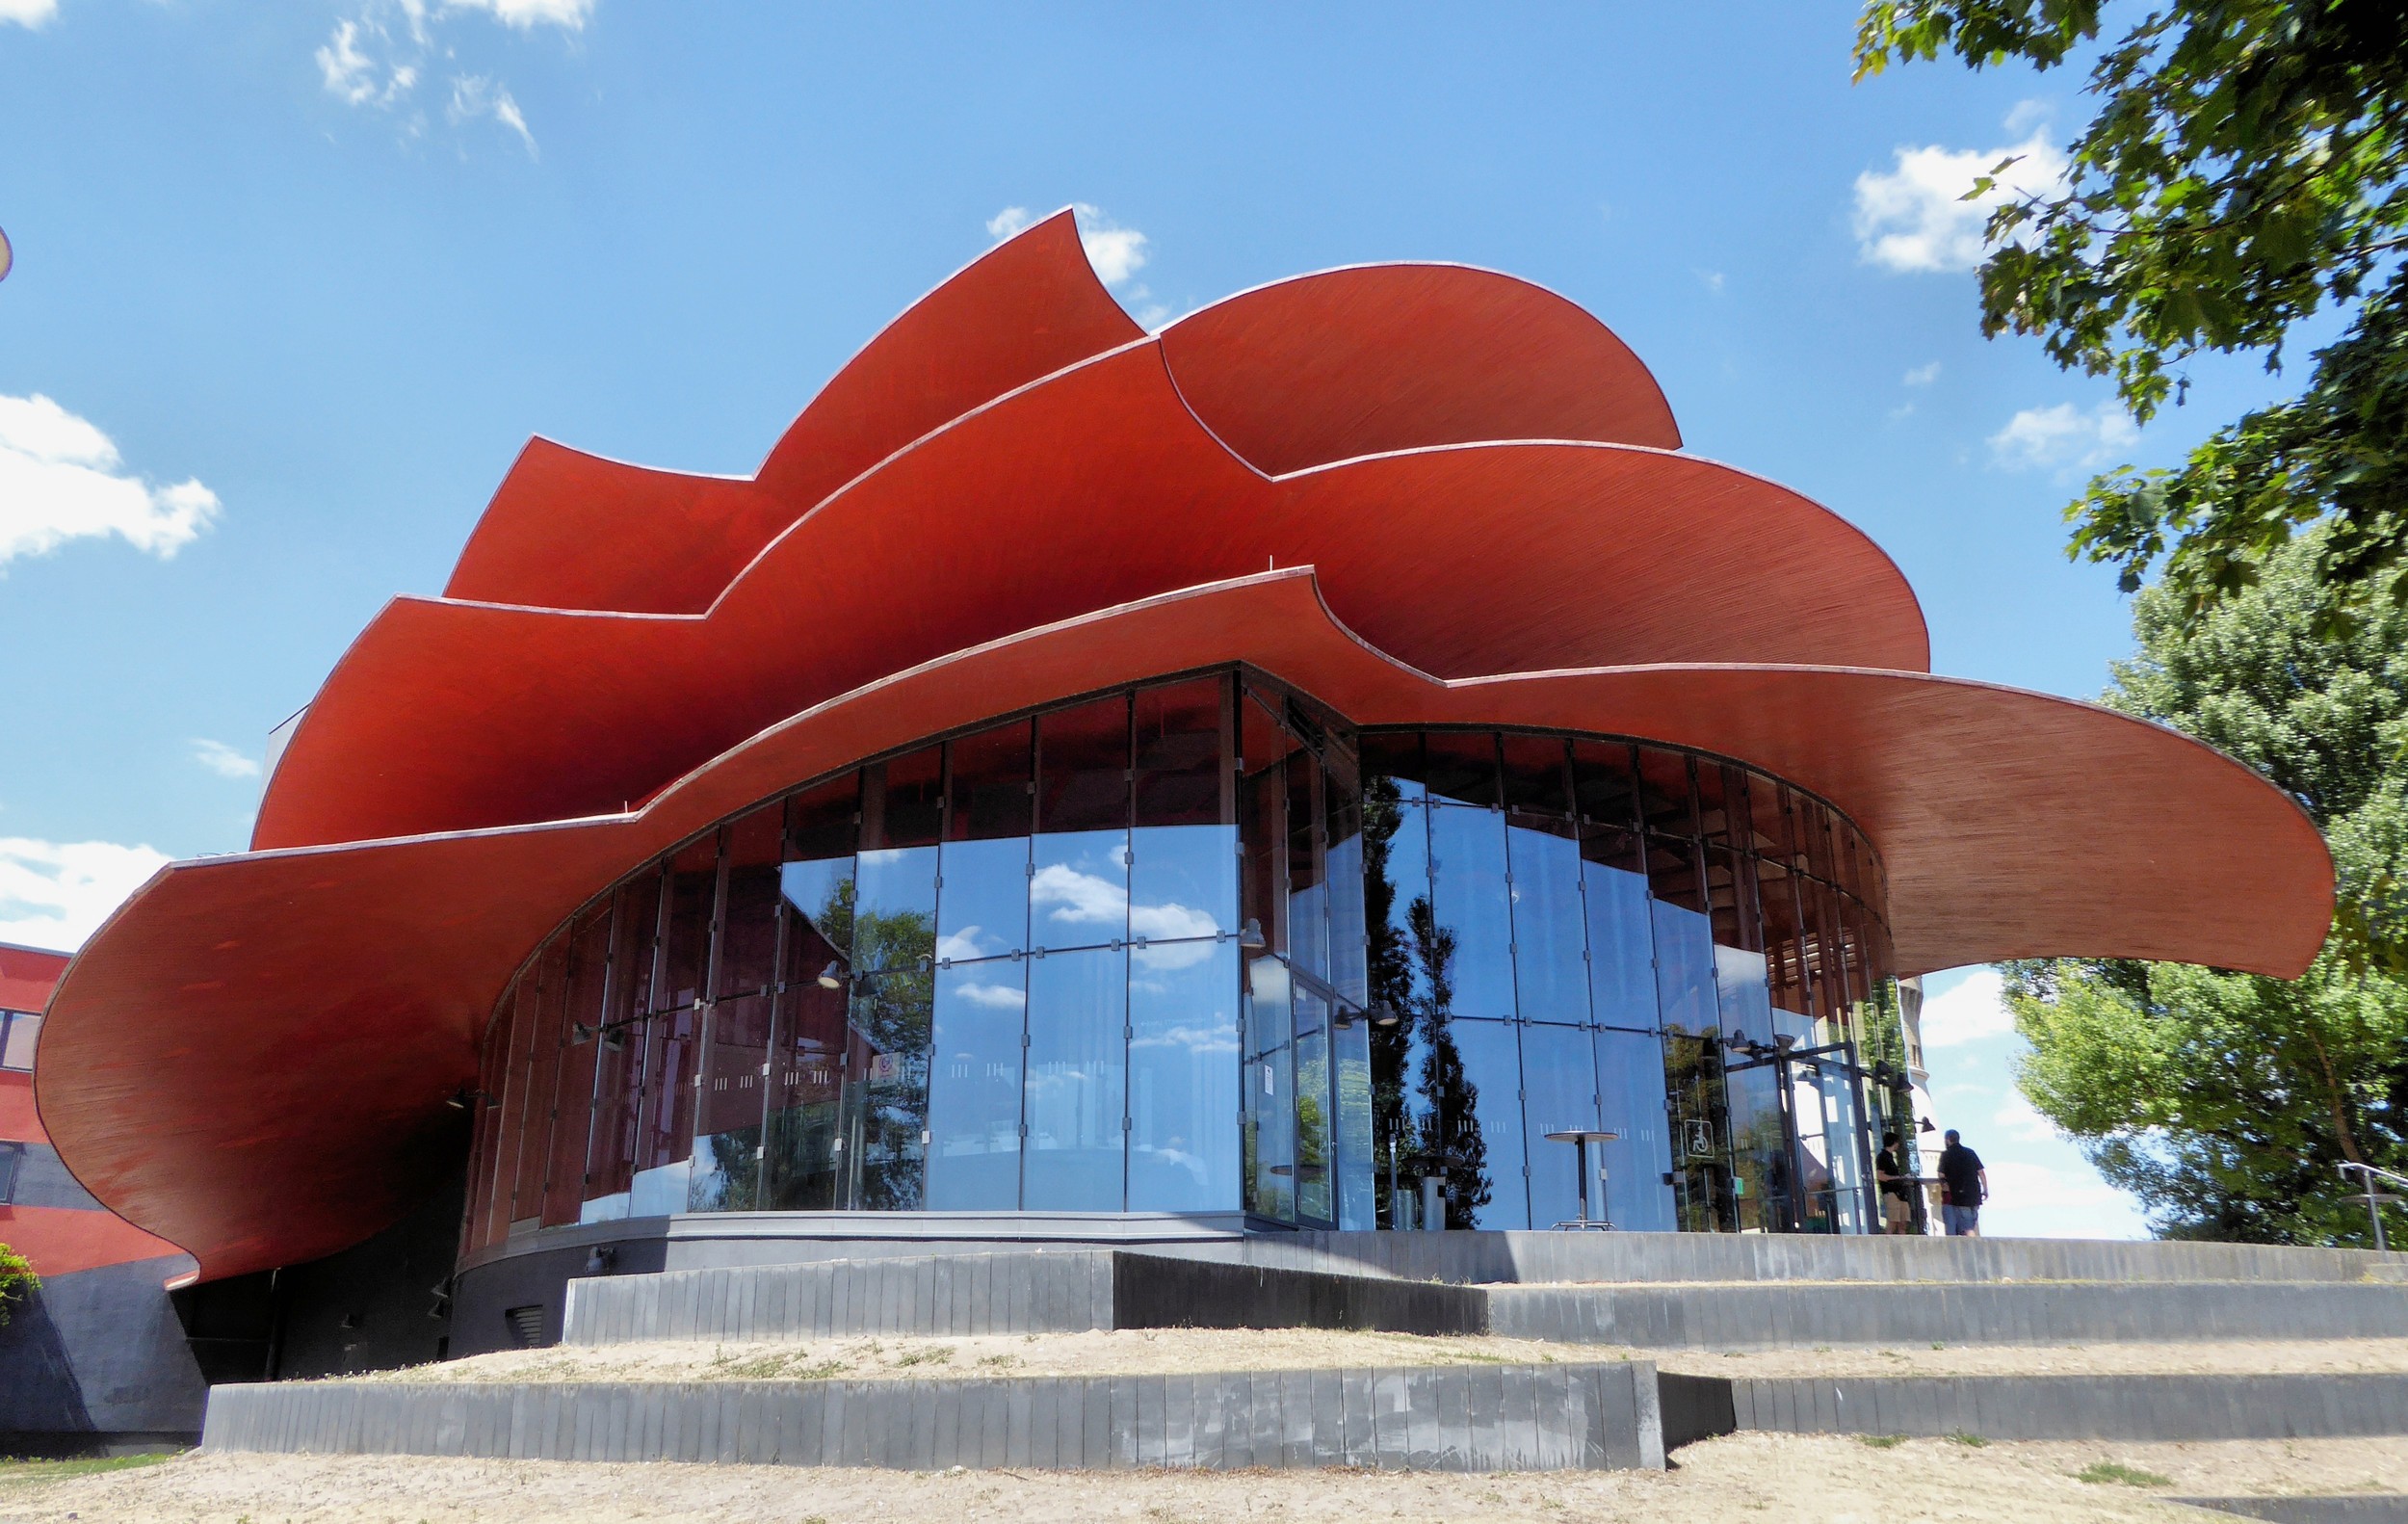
<point x="1585" y="1139"/>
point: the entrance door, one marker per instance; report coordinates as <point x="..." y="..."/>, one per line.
<point x="1798" y="1145"/>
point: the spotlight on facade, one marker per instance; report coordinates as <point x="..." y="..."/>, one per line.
<point x="1384" y="1016"/>
<point x="832" y="977"/>
<point x="1251" y="936"/>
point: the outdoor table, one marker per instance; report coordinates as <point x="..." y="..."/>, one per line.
<point x="1583" y="1138"/>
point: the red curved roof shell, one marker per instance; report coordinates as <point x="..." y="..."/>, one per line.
<point x="252" y="1057"/>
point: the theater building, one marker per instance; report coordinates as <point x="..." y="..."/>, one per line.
<point x="1293" y="771"/>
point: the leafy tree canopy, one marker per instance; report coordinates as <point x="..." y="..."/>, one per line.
<point x="2248" y="168"/>
<point x="2224" y="1101"/>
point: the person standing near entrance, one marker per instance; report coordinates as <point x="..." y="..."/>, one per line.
<point x="1964" y="1185"/>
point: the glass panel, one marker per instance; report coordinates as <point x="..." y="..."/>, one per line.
<point x="692" y="890"/>
<point x="1396" y="903"/>
<point x="1559" y="1094"/>
<point x="808" y="1047"/>
<point x="1665" y="796"/>
<point x="1630" y="1093"/>
<point x="1461" y="766"/>
<point x="1785" y="943"/>
<point x="1183" y="881"/>
<point x="1621" y="948"/>
<point x="1182" y="775"/>
<point x="886" y="1092"/>
<point x="665" y="1138"/>
<point x="989" y="793"/>
<point x="1740" y="991"/>
<point x="727" y="1121"/>
<point x="1077" y="1082"/>
<point x="1270" y="1111"/>
<point x="1492" y="1085"/>
<point x="1470" y="954"/>
<point x="1550" y="961"/>
<point x="1078" y="895"/>
<point x="1183" y="1076"/>
<point x="973" y="1089"/>
<point x="572" y="1132"/>
<point x="745" y="962"/>
<point x="1083" y="767"/>
<point x="17" y="1047"/>
<point x="1350" y="1055"/>
<point x="1537" y="780"/>
<point x="1308" y="883"/>
<point x="1397" y="756"/>
<point x="1843" y="1122"/>
<point x="618" y="1075"/>
<point x="1606" y="784"/>
<point x="1699" y="1119"/>
<point x="903" y="800"/>
<point x="894" y="921"/>
<point x="1343" y="811"/>
<point x="539" y="1058"/>
<point x="1316" y="1201"/>
<point x="489" y="1115"/>
<point x="1760" y="1158"/>
<point x="982" y="903"/>
<point x="1263" y="817"/>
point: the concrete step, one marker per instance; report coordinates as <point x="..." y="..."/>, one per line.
<point x="2130" y="1408"/>
<point x="2350" y="1507"/>
<point x="1807" y="1315"/>
<point x="1453" y="1418"/>
<point x="1526" y="1258"/>
<point x="1059" y="1291"/>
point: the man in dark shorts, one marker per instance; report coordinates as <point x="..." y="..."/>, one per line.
<point x="1964" y="1185"/>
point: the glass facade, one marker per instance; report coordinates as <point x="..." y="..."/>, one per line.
<point x="1200" y="946"/>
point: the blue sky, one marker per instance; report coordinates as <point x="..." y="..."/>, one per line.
<point x="295" y="281"/>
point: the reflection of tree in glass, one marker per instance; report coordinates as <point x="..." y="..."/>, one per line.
<point x="1449" y="1134"/>
<point x="734" y="1173"/>
<point x="1427" y="1111"/>
<point x="890" y="1016"/>
<point x="1693" y="1077"/>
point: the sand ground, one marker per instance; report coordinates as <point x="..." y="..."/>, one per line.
<point x="1832" y="1479"/>
<point x="1140" y="1351"/>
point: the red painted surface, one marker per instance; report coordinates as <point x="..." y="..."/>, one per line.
<point x="336" y="993"/>
<point x="27" y="976"/>
<point x="18" y="1121"/>
<point x="1349" y="362"/>
<point x="1094" y="489"/>
<point x="60" y="1241"/>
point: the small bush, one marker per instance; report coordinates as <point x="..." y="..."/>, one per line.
<point x="2106" y="1471"/>
<point x="1881" y="1441"/>
<point x="16" y="1280"/>
<point x="1967" y="1439"/>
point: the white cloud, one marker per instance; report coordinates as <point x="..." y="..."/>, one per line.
<point x="376" y="59"/>
<point x="1711" y="279"/>
<point x="2034" y="1200"/>
<point x="528" y="14"/>
<point x="1968" y="1011"/>
<point x="2063" y="435"/>
<point x="2030" y="115"/>
<point x="474" y="95"/>
<point x="2022" y="1121"/>
<point x="223" y="759"/>
<point x="1915" y="217"/>
<point x="1922" y="374"/>
<point x="55" y="894"/>
<point x="1115" y="252"/>
<point x="61" y="479"/>
<point x="28" y="13"/>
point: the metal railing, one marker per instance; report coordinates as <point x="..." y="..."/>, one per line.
<point x="2368" y="1175"/>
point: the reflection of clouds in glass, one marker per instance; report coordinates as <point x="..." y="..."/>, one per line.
<point x="1073" y="898"/>
<point x="1167" y="958"/>
<point x="995" y="997"/>
<point x="884" y="856"/>
<point x="1220" y="1038"/>
<point x="962" y="947"/>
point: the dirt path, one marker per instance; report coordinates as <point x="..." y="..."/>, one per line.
<point x="1182" y="1349"/>
<point x="1785" y="1477"/>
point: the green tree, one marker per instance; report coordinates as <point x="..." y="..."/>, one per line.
<point x="2224" y="1101"/>
<point x="2248" y="168"/>
<point x="17" y="1279"/>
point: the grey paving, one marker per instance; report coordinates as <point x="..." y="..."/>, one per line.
<point x="1487" y="1418"/>
<point x="2382" y="1508"/>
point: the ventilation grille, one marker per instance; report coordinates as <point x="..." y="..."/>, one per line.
<point x="526" y="1326"/>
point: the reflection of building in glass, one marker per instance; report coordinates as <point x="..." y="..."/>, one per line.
<point x="1278" y="772"/>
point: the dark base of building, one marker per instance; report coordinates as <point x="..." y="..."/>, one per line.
<point x="69" y="1445"/>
